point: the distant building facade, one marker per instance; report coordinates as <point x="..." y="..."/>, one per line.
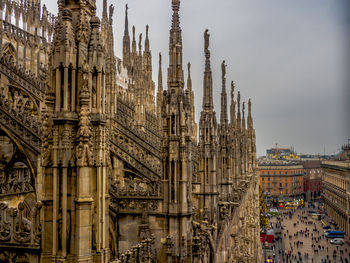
<point x="313" y="179"/>
<point x="282" y="181"/>
<point x="279" y="153"/>
<point x="336" y="190"/>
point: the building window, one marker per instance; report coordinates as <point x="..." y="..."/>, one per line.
<point x="268" y="184"/>
<point x="274" y="172"/>
<point x="280" y="172"/>
<point x="286" y="191"/>
<point x="263" y="185"/>
<point x="286" y="185"/>
<point x="280" y="184"/>
<point x="274" y="184"/>
<point x="268" y="179"/>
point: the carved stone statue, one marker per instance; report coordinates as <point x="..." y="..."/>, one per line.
<point x="223" y="68"/>
<point x="140" y="42"/>
<point x="206" y="39"/>
<point x="111" y="11"/>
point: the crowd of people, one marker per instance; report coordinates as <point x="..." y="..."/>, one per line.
<point x="303" y="240"/>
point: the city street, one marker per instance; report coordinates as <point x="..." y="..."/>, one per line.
<point x="303" y="239"/>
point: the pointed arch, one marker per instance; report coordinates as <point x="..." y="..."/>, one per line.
<point x="10" y="51"/>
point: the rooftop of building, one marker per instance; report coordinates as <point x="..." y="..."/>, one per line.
<point x="310" y="164"/>
<point x="269" y="162"/>
<point x="337" y="164"/>
<point x="279" y="166"/>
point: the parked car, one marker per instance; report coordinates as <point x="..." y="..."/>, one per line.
<point x="326" y="227"/>
<point x="337" y="241"/>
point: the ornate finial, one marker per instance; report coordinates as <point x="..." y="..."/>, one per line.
<point x="206" y="40"/>
<point x="133" y="33"/>
<point x="176" y="5"/>
<point x="249" y="106"/>
<point x="243" y="108"/>
<point x="147" y="31"/>
<point x="176" y="20"/>
<point x="189" y="68"/>
<point x="160" y="60"/>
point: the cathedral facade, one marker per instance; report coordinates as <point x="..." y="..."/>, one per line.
<point x="95" y="166"/>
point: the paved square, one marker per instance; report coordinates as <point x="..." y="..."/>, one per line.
<point x="303" y="237"/>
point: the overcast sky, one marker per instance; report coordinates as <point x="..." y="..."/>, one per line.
<point x="290" y="57"/>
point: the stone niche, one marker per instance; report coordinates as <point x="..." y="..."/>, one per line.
<point x="16" y="180"/>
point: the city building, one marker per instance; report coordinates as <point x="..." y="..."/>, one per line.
<point x="95" y="166"/>
<point x="282" y="181"/>
<point x="281" y="153"/>
<point x="312" y="179"/>
<point x="336" y="189"/>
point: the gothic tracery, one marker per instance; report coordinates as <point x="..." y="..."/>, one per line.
<point x="96" y="166"/>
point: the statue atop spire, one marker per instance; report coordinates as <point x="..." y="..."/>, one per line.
<point x="140" y="43"/>
<point x="133" y="40"/>
<point x="208" y="82"/>
<point x="189" y="81"/>
<point x="250" y="119"/>
<point x="111" y="12"/>
<point x="160" y="75"/>
<point x="206" y="40"/>
<point x="126" y="28"/>
<point x="232" y="90"/>
<point x="206" y="50"/>
<point x="223" y="117"/>
<point x="243" y="115"/>
<point x="223" y="70"/>
<point x="104" y="12"/>
<point x="147" y="40"/>
<point x="233" y="104"/>
<point x="239" y="110"/>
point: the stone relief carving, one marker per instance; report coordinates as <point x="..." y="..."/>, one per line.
<point x="84" y="149"/>
<point x="16" y="229"/>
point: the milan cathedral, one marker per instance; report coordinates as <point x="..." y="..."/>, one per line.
<point x="95" y="166"/>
